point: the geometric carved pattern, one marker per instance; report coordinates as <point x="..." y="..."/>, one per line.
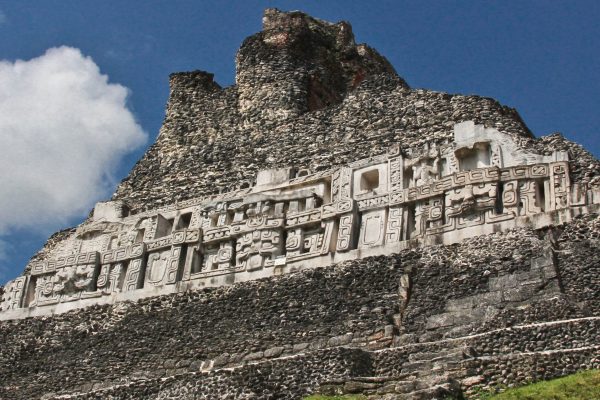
<point x="134" y="276"/>
<point x="345" y="233"/>
<point x="372" y="228"/>
<point x="396" y="174"/>
<point x="341" y="183"/>
<point x="13" y="294"/>
<point x="527" y="195"/>
<point x="394" y="225"/>
<point x="257" y="249"/>
<point x="560" y="185"/>
<point x="108" y="280"/>
<point x="163" y="266"/>
<point x="245" y="230"/>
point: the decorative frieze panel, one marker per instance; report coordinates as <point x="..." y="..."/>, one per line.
<point x="529" y="198"/>
<point x="394" y="225"/>
<point x="258" y="249"/>
<point x="216" y="234"/>
<point x="163" y="266"/>
<point x="44" y="291"/>
<point x="68" y="283"/>
<point x="345" y="240"/>
<point x="13" y="294"/>
<point x="304" y="218"/>
<point x="372" y="228"/>
<point x="134" y="276"/>
<point x="309" y="241"/>
<point x="470" y="199"/>
<point x="406" y="194"/>
<point x="373" y="202"/>
<point x="560" y="185"/>
<point x="123" y="253"/>
<point x="110" y="278"/>
<point x="396" y="168"/>
<point x="510" y="198"/>
<point x="60" y="262"/>
<point x="176" y="238"/>
<point x="341" y="184"/>
<point x="217" y="259"/>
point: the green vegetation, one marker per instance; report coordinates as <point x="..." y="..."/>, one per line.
<point x="581" y="386"/>
<point x="344" y="397"/>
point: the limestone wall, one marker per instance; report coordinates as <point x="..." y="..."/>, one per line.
<point x="161" y="336"/>
<point x="310" y="101"/>
<point x="317" y="226"/>
<point x="306" y="96"/>
<point x="292" y="220"/>
<point x="369" y="304"/>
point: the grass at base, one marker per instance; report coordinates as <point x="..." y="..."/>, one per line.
<point x="581" y="386"/>
<point x="344" y="397"/>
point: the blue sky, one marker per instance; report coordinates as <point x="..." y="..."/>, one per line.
<point x="541" y="57"/>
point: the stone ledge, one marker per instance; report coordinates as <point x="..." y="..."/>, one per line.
<point x="539" y="221"/>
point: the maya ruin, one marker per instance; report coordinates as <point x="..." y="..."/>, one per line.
<point x="318" y="227"/>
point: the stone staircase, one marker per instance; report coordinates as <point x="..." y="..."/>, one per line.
<point x="447" y="369"/>
<point x="426" y="375"/>
<point x="456" y="368"/>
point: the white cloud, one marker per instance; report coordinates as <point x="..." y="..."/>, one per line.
<point x="3" y="18"/>
<point x="63" y="130"/>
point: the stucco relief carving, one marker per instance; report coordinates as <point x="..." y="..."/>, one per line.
<point x="407" y="194"/>
<point x="134" y="276"/>
<point x="372" y="229"/>
<point x="470" y="198"/>
<point x="163" y="266"/>
<point x="109" y="277"/>
<point x="394" y="225"/>
<point x="424" y="172"/>
<point x="70" y="282"/>
<point x="13" y="294"/>
<point x="346" y="233"/>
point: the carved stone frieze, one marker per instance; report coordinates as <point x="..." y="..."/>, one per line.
<point x="406" y="194"/>
<point x="134" y="276"/>
<point x="258" y="249"/>
<point x="163" y="266"/>
<point x="13" y="294"/>
<point x="346" y="232"/>
<point x="110" y="278"/>
<point x="394" y="225"/>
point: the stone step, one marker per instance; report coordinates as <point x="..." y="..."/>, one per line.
<point x="354" y="387"/>
<point x="441" y="391"/>
<point x="424" y="368"/>
<point x="416" y="366"/>
<point x="377" y="379"/>
<point x="406" y="386"/>
<point x="452" y="353"/>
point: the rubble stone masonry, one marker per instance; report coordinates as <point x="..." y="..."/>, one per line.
<point x="318" y="227"/>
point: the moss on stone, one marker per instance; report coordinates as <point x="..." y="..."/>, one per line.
<point x="581" y="386"/>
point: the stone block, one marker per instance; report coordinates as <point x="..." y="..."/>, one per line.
<point x="254" y="356"/>
<point x="273" y="352"/>
<point x="272" y="177"/>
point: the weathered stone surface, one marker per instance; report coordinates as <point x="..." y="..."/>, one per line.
<point x="319" y="225"/>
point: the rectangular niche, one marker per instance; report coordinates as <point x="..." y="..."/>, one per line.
<point x="184" y="220"/>
<point x="371" y="180"/>
<point x="164" y="226"/>
<point x="472" y="158"/>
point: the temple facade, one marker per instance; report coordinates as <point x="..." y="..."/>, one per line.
<point x="318" y="227"/>
<point x="479" y="183"/>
